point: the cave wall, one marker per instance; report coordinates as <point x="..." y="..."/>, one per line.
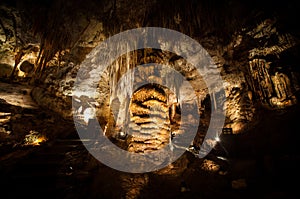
<point x="254" y="45"/>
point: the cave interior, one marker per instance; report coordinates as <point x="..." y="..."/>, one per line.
<point x="149" y="99"/>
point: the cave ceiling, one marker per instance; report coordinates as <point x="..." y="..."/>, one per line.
<point x="254" y="45"/>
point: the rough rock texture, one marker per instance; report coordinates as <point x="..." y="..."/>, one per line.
<point x="149" y="120"/>
<point x="253" y="46"/>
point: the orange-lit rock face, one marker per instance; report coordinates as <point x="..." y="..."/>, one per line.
<point x="34" y="138"/>
<point x="149" y="125"/>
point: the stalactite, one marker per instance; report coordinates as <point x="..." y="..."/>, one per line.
<point x="260" y="79"/>
<point x="15" y="32"/>
<point x="214" y="100"/>
<point x="272" y="90"/>
<point x="18" y="58"/>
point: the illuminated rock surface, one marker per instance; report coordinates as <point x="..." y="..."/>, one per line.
<point x="254" y="45"/>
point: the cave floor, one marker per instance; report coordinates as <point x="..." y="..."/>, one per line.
<point x="262" y="163"/>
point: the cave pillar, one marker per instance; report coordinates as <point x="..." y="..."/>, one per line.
<point x="273" y="90"/>
<point x="261" y="82"/>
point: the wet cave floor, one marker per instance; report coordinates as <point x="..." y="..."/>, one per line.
<point x="262" y="163"/>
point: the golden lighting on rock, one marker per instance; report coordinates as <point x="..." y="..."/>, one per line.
<point x="209" y="165"/>
<point x="39" y="140"/>
<point x="34" y="138"/>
